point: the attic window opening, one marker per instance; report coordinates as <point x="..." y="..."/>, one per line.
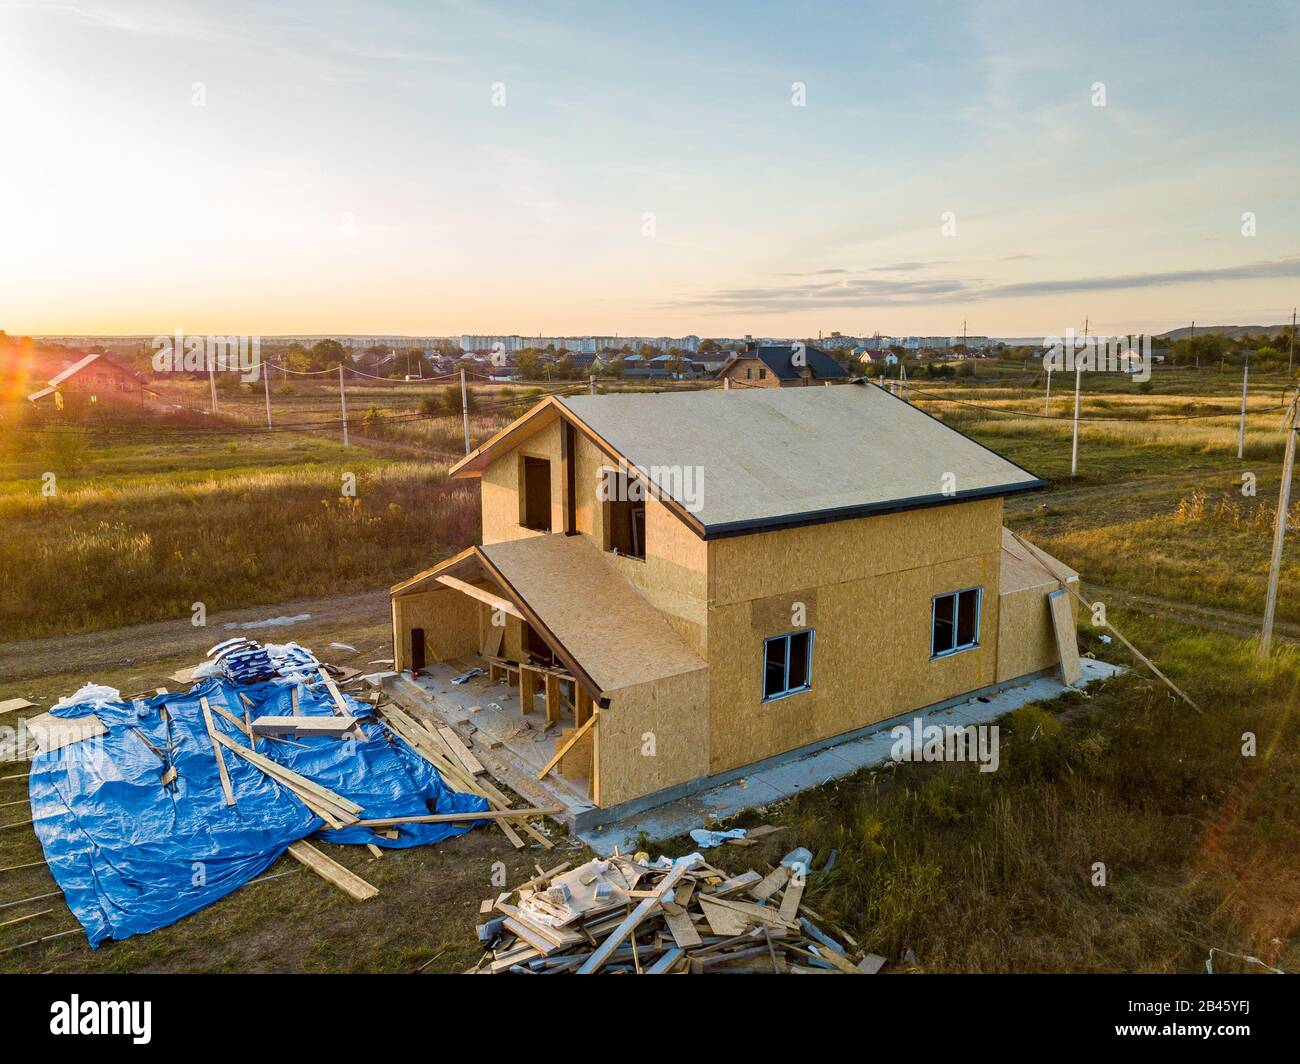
<point x="535" y="494"/>
<point x="787" y="664"/>
<point x="955" y="622"/>
<point x="624" y="515"/>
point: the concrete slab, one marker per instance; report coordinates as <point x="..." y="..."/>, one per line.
<point x="800" y="770"/>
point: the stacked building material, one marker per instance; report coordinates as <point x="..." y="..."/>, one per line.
<point x="246" y="661"/>
<point x="665" y="917"/>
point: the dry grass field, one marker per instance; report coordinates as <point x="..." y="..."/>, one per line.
<point x="970" y="871"/>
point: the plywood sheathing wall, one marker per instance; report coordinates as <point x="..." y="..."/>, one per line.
<point x="450" y="621"/>
<point x="866" y="585"/>
<point x="1026" y="638"/>
<point x="672" y="714"/>
<point x="499" y="486"/>
<point x="673" y="576"/>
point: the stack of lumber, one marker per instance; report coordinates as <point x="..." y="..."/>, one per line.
<point x="627" y="915"/>
<point x="459" y="769"/>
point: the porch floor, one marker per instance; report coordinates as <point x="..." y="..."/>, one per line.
<point x="483" y="712"/>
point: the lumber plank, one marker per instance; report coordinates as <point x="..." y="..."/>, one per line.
<point x="495" y="601"/>
<point x="682" y="930"/>
<point x="300" y="725"/>
<point x="471" y="764"/>
<point x="329" y="869"/>
<point x="216" y="750"/>
<point x="408" y="730"/>
<point x="791" y="898"/>
<point x="11" y="704"/>
<point x="564" y="749"/>
<point x="289" y="777"/>
<point x="451" y="818"/>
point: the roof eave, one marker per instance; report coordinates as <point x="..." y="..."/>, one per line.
<point x="727" y="529"/>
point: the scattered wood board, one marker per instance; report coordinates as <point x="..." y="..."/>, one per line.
<point x="329" y="869"/>
<point x="300" y="726"/>
<point x="54" y="733"/>
<point x="462" y="753"/>
<point x="11" y="704"/>
<point x="213" y="734"/>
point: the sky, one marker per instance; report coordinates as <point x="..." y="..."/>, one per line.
<point x="721" y="169"/>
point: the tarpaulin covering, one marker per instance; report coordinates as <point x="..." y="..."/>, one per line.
<point x="132" y="855"/>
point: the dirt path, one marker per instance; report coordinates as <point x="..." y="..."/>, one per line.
<point x="1231" y="622"/>
<point x="140" y="644"/>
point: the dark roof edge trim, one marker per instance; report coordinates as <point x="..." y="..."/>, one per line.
<point x="845" y="513"/>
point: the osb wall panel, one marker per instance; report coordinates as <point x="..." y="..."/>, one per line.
<point x="499" y="487"/>
<point x="1026" y="640"/>
<point x="768" y="563"/>
<point x="675" y="710"/>
<point x="450" y="621"/>
<point x="871" y="657"/>
<point x="673" y="577"/>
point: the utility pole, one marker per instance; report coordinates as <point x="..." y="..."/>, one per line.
<point x="1078" y="384"/>
<point x="1279" y="529"/>
<point x="1047" y="399"/>
<point x="464" y="406"/>
<point x="212" y="382"/>
<point x="266" y="388"/>
<point x="343" y="405"/>
<point x="1290" y="359"/>
<point x="591" y="383"/>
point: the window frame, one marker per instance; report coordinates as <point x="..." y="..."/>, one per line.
<point x="788" y="637"/>
<point x="956" y="620"/>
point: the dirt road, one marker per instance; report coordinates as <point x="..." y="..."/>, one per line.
<point x="357" y="619"/>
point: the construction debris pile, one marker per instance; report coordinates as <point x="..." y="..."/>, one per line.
<point x="244" y="661"/>
<point x="150" y="808"/>
<point x="631" y="915"/>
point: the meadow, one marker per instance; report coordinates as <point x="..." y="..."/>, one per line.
<point x="939" y="868"/>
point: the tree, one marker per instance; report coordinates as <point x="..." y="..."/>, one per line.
<point x="326" y="354"/>
<point x="529" y="364"/>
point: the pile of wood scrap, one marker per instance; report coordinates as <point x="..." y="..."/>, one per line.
<point x="628" y="915"/>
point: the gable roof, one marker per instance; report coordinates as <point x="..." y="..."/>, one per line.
<point x="778" y="358"/>
<point x="72" y="369"/>
<point x="768" y="458"/>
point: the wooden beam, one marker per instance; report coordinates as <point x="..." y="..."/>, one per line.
<point x="527" y="688"/>
<point x="334" y="726"/>
<point x="582" y="705"/>
<point x="495" y="601"/>
<point x="452" y="818"/>
<point x="471" y="764"/>
<point x="329" y="869"/>
<point x="554" y="698"/>
<point x="566" y="747"/>
<point x="216" y="750"/>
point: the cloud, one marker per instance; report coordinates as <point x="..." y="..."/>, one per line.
<point x="865" y="291"/>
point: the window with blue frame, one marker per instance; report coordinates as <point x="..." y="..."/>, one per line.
<point x="955" y="621"/>
<point x="787" y="664"/>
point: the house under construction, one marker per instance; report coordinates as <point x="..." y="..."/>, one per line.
<point x="680" y="585"/>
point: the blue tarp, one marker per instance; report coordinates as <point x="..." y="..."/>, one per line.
<point x="132" y="856"/>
